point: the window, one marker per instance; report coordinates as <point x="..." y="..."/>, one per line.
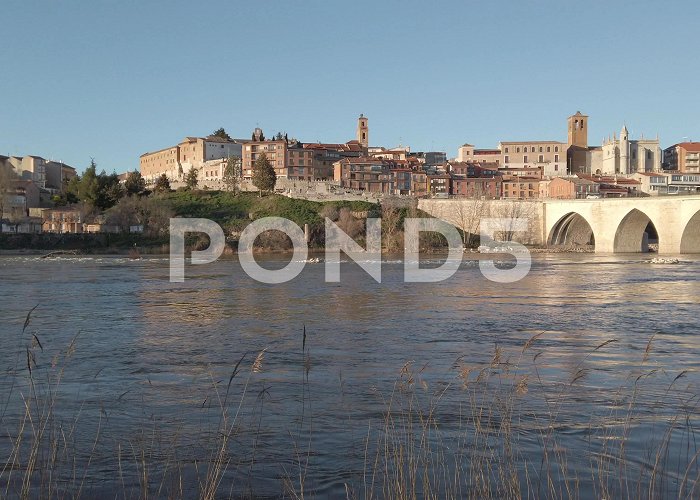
<point x="517" y="150"/>
<point x="541" y="158"/>
<point x="556" y="149"/>
<point x="506" y="159"/>
<point x="556" y="158"/>
<point x="506" y="150"/>
<point x="549" y="149"/>
<point x="540" y="150"/>
<point x="532" y="149"/>
<point x="525" y="159"/>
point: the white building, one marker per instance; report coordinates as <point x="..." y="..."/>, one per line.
<point x="627" y="156"/>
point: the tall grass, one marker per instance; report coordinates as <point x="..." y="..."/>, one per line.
<point x="471" y="432"/>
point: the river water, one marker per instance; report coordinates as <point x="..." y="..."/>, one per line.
<point x="133" y="373"/>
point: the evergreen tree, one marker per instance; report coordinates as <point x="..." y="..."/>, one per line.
<point x="191" y="179"/>
<point x="109" y="190"/>
<point x="134" y="183"/>
<point x="88" y="186"/>
<point x="264" y="176"/>
<point x="232" y="174"/>
<point x="162" y="184"/>
<point x="221" y="133"/>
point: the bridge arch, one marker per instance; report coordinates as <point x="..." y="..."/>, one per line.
<point x="634" y="233"/>
<point x="690" y="240"/>
<point x="571" y="229"/>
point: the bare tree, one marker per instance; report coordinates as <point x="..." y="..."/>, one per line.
<point x="391" y="222"/>
<point x="468" y="212"/>
<point x="509" y="211"/>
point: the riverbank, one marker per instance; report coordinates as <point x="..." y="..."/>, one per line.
<point x="162" y="249"/>
<point x="233" y="212"/>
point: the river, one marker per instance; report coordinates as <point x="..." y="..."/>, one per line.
<point x="580" y="379"/>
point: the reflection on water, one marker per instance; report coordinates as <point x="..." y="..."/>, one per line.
<point x="153" y="361"/>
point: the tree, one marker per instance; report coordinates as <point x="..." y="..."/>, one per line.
<point x="264" y="176"/>
<point x="468" y="213"/>
<point x="392" y="223"/>
<point x="87" y="185"/>
<point x="162" y="184"/>
<point x="152" y="213"/>
<point x="134" y="183"/>
<point x="232" y="174"/>
<point x="191" y="179"/>
<point x="222" y="134"/>
<point x="509" y="211"/>
<point x="109" y="190"/>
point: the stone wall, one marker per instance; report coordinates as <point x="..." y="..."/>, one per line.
<point x="466" y="214"/>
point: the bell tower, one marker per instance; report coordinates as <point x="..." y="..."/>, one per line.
<point x="362" y="131"/>
<point x="578" y="130"/>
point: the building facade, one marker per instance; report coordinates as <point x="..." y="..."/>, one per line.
<point x="626" y="156"/>
<point x="683" y="157"/>
<point x="46" y="174"/>
<point x="192" y="152"/>
<point x="549" y="156"/>
<point x="467" y="153"/>
<point x="364" y="174"/>
<point x="571" y="188"/>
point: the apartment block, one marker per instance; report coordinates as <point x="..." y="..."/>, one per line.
<point x="683" y="157"/>
<point x="364" y="174"/>
<point x="520" y="187"/>
<point x="476" y="187"/>
<point x="324" y="155"/>
<point x="46" y="174"/>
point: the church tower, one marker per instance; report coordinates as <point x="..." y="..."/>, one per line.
<point x="624" y="151"/>
<point x="362" y="131"/>
<point x="578" y="130"/>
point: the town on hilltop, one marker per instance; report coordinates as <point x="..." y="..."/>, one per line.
<point x="34" y="189"/>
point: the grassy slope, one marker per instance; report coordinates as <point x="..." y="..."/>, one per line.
<point x="235" y="211"/>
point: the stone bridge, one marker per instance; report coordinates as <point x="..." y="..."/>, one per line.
<point x="613" y="225"/>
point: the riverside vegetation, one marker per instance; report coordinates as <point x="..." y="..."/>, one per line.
<point x="405" y="452"/>
<point x="233" y="211"/>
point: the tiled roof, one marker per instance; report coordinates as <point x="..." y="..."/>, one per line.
<point x="693" y="147"/>
<point x="532" y="142"/>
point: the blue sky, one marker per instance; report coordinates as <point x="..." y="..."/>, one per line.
<point x="114" y="79"/>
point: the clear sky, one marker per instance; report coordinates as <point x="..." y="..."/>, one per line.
<point x="114" y="79"/>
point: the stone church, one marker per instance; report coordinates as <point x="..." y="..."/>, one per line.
<point x="621" y="155"/>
